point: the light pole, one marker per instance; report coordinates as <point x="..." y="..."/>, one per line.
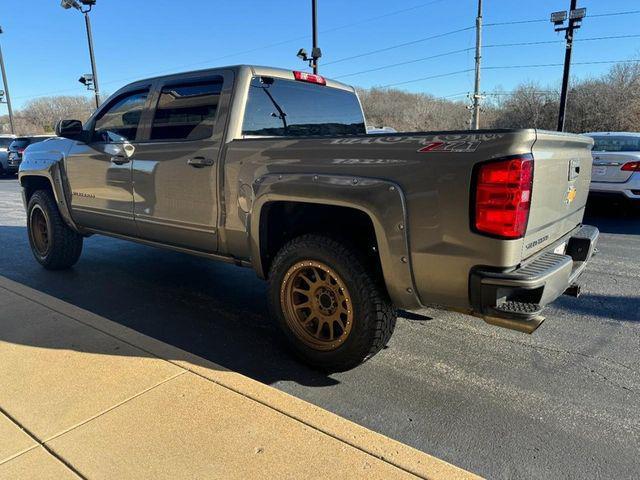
<point x="88" y="4"/>
<point x="6" y="89"/>
<point x="316" y="53"/>
<point x="575" y="18"/>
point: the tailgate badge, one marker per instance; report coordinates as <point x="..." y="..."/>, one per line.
<point x="571" y="195"/>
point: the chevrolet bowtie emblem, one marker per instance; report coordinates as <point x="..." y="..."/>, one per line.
<point x="571" y="195"/>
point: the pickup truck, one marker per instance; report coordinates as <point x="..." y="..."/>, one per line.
<point x="273" y="170"/>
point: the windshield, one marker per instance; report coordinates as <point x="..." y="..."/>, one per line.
<point x="279" y="107"/>
<point x="622" y="143"/>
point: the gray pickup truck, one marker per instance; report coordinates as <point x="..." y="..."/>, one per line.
<point x="273" y="170"/>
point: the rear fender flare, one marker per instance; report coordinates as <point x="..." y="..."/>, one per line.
<point x="381" y="200"/>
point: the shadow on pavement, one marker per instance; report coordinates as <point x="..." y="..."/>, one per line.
<point x="613" y="217"/>
<point x="213" y="310"/>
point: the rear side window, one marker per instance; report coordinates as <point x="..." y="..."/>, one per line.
<point x="622" y="143"/>
<point x="5" y="142"/>
<point x="120" y="121"/>
<point x="279" y="107"/>
<point x="187" y="111"/>
<point x="20" y="143"/>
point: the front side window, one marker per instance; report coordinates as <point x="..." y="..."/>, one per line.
<point x="622" y="143"/>
<point x="187" y="111"/>
<point x="278" y="107"/>
<point x="120" y="121"/>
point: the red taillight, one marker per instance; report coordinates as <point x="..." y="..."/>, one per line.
<point x="20" y="150"/>
<point x="503" y="197"/>
<point x="309" y="77"/>
<point x="631" y="167"/>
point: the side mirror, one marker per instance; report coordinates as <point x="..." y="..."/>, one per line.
<point x="69" y="129"/>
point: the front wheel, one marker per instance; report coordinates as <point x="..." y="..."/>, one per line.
<point x="54" y="245"/>
<point x="332" y="311"/>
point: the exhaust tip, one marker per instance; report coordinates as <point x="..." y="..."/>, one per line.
<point x="573" y="291"/>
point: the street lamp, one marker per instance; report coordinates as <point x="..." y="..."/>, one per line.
<point x="84" y="6"/>
<point x="5" y="92"/>
<point x="316" y="53"/>
<point x="576" y="15"/>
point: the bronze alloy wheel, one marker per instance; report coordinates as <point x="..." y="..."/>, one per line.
<point x="317" y="305"/>
<point x="39" y="231"/>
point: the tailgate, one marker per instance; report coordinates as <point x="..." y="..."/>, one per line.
<point x="561" y="178"/>
<point x="607" y="167"/>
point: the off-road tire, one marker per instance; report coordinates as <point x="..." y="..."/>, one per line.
<point x="374" y="317"/>
<point x="64" y="245"/>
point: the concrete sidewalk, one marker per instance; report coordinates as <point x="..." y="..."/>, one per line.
<point x="84" y="397"/>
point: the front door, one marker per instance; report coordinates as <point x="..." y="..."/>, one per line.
<point x="175" y="172"/>
<point x="99" y="172"/>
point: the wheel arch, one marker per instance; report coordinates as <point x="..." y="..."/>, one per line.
<point x="381" y="202"/>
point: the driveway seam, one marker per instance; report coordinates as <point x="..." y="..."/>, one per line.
<point x="39" y="444"/>
<point x="245" y="395"/>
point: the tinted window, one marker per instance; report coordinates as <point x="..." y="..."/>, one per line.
<point x="616" y="144"/>
<point x="20" y="143"/>
<point x="120" y="121"/>
<point x="4" y="142"/>
<point x="186" y="112"/>
<point x="291" y="108"/>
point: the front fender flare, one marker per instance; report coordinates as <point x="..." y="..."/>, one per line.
<point x="48" y="166"/>
<point x="381" y="200"/>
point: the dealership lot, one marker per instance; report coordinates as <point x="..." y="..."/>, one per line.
<point x="561" y="403"/>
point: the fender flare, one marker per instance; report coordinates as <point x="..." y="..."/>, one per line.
<point x="44" y="165"/>
<point x="382" y="201"/>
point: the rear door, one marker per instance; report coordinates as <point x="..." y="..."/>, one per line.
<point x="175" y="170"/>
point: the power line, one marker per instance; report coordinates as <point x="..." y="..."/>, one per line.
<point x="428" y="78"/>
<point x="506" y="67"/>
<point x="538" y="20"/>
<point x="383" y="67"/>
<point x="400" y="45"/>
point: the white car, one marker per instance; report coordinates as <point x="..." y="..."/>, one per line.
<point x="616" y="164"/>
<point x="374" y="130"/>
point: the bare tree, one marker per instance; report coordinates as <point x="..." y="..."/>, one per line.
<point x="44" y="112"/>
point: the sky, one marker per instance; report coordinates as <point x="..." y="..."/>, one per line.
<point x="45" y="47"/>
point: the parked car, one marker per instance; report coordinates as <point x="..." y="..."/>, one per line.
<point x="374" y="130"/>
<point x="17" y="148"/>
<point x="273" y="170"/>
<point x="616" y="165"/>
<point x="5" y="140"/>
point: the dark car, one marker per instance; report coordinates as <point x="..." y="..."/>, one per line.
<point x="17" y="147"/>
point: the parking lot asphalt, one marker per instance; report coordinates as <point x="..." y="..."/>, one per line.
<point x="561" y="403"/>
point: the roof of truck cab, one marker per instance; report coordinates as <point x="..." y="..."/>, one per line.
<point x="255" y="70"/>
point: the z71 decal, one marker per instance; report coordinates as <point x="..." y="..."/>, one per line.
<point x="458" y="146"/>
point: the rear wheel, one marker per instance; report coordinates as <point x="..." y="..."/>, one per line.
<point x="332" y="311"/>
<point x="53" y="244"/>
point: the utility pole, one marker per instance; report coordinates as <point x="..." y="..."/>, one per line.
<point x="575" y="18"/>
<point x="314" y="28"/>
<point x="476" y="89"/>
<point x="6" y="88"/>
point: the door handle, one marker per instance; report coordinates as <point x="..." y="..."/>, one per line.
<point x="199" y="162"/>
<point x="119" y="159"/>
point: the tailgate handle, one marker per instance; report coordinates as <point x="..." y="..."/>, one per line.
<point x="574" y="169"/>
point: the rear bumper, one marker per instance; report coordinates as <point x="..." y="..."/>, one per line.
<point x="518" y="296"/>
<point x="630" y="189"/>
